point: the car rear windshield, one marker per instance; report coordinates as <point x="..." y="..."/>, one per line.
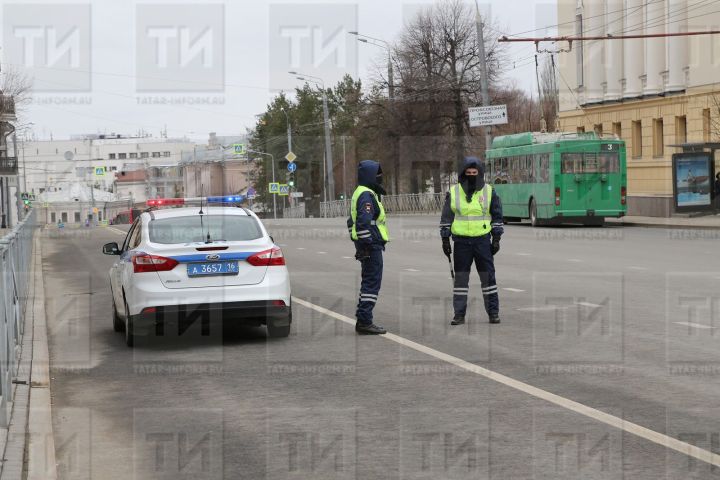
<point x="231" y="228"/>
<point x="590" y="163"/>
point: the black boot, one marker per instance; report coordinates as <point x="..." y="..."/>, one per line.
<point x="494" y="318"/>
<point x="370" y="329"/>
<point x="458" y="320"/>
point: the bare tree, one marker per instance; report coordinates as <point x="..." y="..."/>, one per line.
<point x="550" y="93"/>
<point x="18" y="85"/>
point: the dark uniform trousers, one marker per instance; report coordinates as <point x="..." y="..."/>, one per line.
<point x="467" y="250"/>
<point x="372" y="270"/>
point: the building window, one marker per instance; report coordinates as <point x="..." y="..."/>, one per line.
<point x="155" y="154"/>
<point x="122" y="156"/>
<point x="706" y="124"/>
<point x="637" y="139"/>
<point x="598" y="128"/>
<point x="658" y="138"/>
<point x="166" y="154"/>
<point x="144" y="154"/>
<point x="111" y="156"/>
<point x="53" y="217"/>
<point x="580" y="129"/>
<point x="617" y="129"/>
<point x="113" y="169"/>
<point x="77" y="217"/>
<point x="680" y="129"/>
<point x="133" y="155"/>
<point x="579" y="50"/>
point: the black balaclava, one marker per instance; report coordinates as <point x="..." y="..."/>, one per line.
<point x="471" y="184"/>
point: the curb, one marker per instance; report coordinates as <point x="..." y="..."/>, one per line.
<point x="40" y="453"/>
<point x="675" y="226"/>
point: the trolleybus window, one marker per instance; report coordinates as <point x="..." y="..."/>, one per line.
<point x="590" y="163"/>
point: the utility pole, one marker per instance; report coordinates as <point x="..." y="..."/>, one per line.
<point x="483" y="71"/>
<point x="344" y="178"/>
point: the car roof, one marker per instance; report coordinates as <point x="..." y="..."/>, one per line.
<point x="195" y="210"/>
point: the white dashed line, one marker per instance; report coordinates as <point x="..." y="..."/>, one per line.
<point x="575" y="260"/>
<point x="695" y="325"/>
<point x="637" y="268"/>
<point x="515" y="290"/>
<point x="411" y="270"/>
<point x="116" y="230"/>
<point x="588" y="304"/>
<point x="543" y="308"/>
<point x="524" y="254"/>
<point x="301" y="248"/>
<point x="571" y="405"/>
<point x="321" y="253"/>
<point x="348" y="258"/>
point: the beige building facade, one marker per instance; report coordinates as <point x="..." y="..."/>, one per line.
<point x="652" y="92"/>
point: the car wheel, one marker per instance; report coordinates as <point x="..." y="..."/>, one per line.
<point x="279" y="328"/>
<point x="129" y="333"/>
<point x="118" y="324"/>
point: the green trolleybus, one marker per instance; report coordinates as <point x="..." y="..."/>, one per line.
<point x="552" y="178"/>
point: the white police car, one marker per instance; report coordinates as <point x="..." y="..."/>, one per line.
<point x="192" y="264"/>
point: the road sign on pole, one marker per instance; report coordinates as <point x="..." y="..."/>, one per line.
<point x="251" y="193"/>
<point x="297" y="194"/>
<point x="292" y="167"/>
<point x="273" y="187"/>
<point x="490" y="115"/>
<point x="284" y="190"/>
<point x="239" y="148"/>
<point x="290" y="157"/>
<point x="99" y="171"/>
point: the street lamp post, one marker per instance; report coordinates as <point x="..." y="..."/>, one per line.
<point x="289" y="135"/>
<point x="272" y="160"/>
<point x="330" y="178"/>
<point x="378" y="42"/>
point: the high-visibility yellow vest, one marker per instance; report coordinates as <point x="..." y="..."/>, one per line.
<point x="472" y="219"/>
<point x="380" y="222"/>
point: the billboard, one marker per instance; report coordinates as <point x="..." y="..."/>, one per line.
<point x="693" y="181"/>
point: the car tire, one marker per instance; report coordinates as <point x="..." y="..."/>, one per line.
<point x="534" y="220"/>
<point x="129" y="331"/>
<point x="118" y="324"/>
<point x="279" y="328"/>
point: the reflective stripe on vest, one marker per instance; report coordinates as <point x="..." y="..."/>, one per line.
<point x="472" y="219"/>
<point x="379" y="222"/>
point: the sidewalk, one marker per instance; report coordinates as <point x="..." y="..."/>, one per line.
<point x="698" y="223"/>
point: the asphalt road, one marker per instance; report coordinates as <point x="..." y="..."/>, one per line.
<point x="623" y="320"/>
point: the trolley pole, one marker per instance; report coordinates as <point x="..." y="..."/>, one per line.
<point x="483" y="71"/>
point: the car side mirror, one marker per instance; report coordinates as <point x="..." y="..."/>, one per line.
<point x="111" y="249"/>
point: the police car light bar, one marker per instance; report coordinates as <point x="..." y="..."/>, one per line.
<point x="171" y="202"/>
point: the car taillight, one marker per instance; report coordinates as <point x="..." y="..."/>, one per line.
<point x="623" y="195"/>
<point x="268" y="258"/>
<point x="152" y="263"/>
<point x="557" y="196"/>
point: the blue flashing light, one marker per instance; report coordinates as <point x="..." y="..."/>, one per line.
<point x="226" y="199"/>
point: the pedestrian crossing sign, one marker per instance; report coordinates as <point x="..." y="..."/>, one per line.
<point x="99" y="171"/>
<point x="273" y="187"/>
<point x="284" y="190"/>
<point x="239" y="148"/>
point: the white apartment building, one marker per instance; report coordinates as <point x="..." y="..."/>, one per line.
<point x="96" y="160"/>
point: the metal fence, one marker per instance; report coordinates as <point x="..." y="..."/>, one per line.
<point x="15" y="266"/>
<point x="394" y="204"/>
<point x="294" y="212"/>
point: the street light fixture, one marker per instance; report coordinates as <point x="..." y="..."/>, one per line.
<point x="330" y="178"/>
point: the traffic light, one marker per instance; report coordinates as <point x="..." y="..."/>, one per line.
<point x="291" y="180"/>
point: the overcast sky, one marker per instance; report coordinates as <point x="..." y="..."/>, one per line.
<point x="194" y="67"/>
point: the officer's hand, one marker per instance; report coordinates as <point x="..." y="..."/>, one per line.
<point x="495" y="247"/>
<point x="447" y="249"/>
<point x="362" y="252"/>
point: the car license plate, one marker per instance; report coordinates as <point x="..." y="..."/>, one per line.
<point x="212" y="268"/>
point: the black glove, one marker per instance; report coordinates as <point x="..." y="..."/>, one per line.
<point x="447" y="249"/>
<point x="495" y="248"/>
<point x="362" y="252"/>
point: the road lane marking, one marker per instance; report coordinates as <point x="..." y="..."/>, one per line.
<point x="321" y="253"/>
<point x="695" y="325"/>
<point x="576" y="260"/>
<point x="411" y="270"/>
<point x="543" y="308"/>
<point x="116" y="230"/>
<point x="347" y="258"/>
<point x="637" y="268"/>
<point x="577" y="407"/>
<point x="515" y="290"/>
<point x="301" y="248"/>
<point x="588" y="304"/>
<point x="524" y="254"/>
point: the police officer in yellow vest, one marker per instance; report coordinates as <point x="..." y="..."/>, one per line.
<point x="369" y="233"/>
<point x="472" y="216"/>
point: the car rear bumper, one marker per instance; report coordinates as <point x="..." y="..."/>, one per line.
<point x="226" y="313"/>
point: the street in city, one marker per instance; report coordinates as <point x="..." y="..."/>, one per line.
<point x="627" y="331"/>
